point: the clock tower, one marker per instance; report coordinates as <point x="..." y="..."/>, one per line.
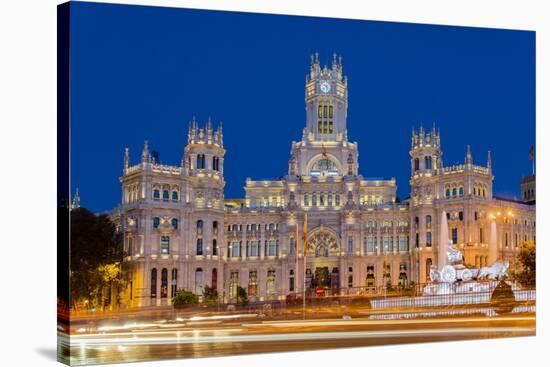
<point x="326" y="102"/>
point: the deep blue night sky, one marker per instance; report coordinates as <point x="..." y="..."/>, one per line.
<point x="142" y="73"/>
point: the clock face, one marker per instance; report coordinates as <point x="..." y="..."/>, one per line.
<point x="325" y="87"/>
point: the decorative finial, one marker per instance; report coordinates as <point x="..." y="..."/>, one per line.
<point x="489" y="159"/>
<point x="468" y="159"/>
<point x="126" y="158"/>
<point x="145" y="152"/>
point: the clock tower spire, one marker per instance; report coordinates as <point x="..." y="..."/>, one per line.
<point x="326" y="97"/>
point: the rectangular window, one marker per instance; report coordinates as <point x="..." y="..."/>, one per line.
<point x="253" y="248"/>
<point x="385" y="243"/>
<point x="403" y="243"/>
<point x="235" y="249"/>
<point x="350" y="244"/>
<point x="292" y="244"/>
<point x="429" y="239"/>
<point x="199" y="246"/>
<point x="481" y="236"/>
<point x="337" y="198"/>
<point x="371" y="247"/>
<point x="272" y="247"/>
<point x="164" y="245"/>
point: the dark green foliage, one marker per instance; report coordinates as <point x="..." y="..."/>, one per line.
<point x="210" y="296"/>
<point x="184" y="298"/>
<point x="95" y="255"/>
<point x="526" y="270"/>
<point x="242" y="297"/>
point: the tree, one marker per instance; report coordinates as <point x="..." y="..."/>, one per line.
<point x="95" y="256"/>
<point x="210" y="295"/>
<point x="525" y="272"/>
<point x="184" y="298"/>
<point x="242" y="297"/>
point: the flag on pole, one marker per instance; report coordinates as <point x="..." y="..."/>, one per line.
<point x="304" y="234"/>
<point x="532" y="153"/>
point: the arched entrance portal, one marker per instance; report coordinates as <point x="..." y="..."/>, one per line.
<point x="324" y="273"/>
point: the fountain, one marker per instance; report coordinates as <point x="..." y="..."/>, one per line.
<point x="451" y="276"/>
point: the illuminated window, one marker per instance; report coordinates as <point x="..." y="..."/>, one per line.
<point x="164" y="245"/>
<point x="174" y="283"/>
<point x="233" y="284"/>
<point x="253" y="283"/>
<point x="271" y="288"/>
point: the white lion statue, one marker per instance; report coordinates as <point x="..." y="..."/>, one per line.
<point x="495" y="271"/>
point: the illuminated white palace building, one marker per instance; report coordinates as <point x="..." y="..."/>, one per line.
<point x="181" y="233"/>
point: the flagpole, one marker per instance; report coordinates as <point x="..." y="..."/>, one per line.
<point x="304" y="244"/>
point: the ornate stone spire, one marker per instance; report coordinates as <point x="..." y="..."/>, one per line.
<point x="468" y="159"/>
<point x="489" y="160"/>
<point x="126" y="158"/>
<point x="145" y="156"/>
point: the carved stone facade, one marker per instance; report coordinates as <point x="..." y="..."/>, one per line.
<point x="181" y="233"/>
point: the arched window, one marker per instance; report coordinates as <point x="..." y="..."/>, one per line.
<point x="253" y="283"/>
<point x="215" y="279"/>
<point x="324" y="167"/>
<point x="428" y="162"/>
<point x="461" y="191"/>
<point x="271" y="288"/>
<point x="154" y="283"/>
<point x="164" y="283"/>
<point x="448" y="193"/>
<point x="428" y="221"/>
<point x="200" y="224"/>
<point x="199" y="282"/>
<point x="214" y="247"/>
<point x="174" y="284"/>
<point x="156" y="222"/>
<point x="175" y="223"/>
<point x="454" y="191"/>
<point x="156" y="194"/>
<point x="234" y="284"/>
<point x="306" y="200"/>
<point x="313" y="199"/>
<point x="165" y="195"/>
<point x="175" y="196"/>
<point x="428" y="266"/>
<point x="201" y="162"/>
<point x="199" y="246"/>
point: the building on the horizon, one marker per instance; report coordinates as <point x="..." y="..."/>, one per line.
<point x="181" y="233"/>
